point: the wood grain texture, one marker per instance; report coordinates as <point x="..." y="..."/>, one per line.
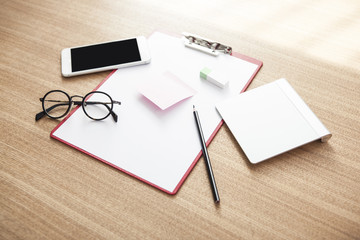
<point x="51" y="191"/>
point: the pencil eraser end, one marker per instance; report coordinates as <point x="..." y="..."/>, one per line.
<point x="214" y="76"/>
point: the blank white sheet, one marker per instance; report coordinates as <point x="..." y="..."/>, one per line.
<point x="157" y="146"/>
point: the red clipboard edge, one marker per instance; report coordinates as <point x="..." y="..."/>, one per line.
<point x="110" y="164"/>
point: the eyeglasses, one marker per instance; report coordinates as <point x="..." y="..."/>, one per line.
<point x="96" y="105"/>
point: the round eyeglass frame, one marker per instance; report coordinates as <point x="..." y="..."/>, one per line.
<point x="83" y="103"/>
<point x="88" y="95"/>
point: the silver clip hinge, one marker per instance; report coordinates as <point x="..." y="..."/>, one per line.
<point x="205" y="45"/>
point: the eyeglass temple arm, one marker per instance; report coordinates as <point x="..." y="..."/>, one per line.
<point x="42" y="113"/>
<point x="113" y="114"/>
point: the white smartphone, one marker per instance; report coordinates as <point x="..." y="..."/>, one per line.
<point x="104" y="56"/>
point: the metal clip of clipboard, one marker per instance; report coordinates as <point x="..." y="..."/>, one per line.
<point x="205" y="45"/>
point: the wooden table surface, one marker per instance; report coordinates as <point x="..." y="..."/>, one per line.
<point x="51" y="191"/>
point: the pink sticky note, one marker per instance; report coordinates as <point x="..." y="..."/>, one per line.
<point x="166" y="90"/>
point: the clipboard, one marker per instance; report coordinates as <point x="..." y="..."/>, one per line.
<point x="159" y="147"/>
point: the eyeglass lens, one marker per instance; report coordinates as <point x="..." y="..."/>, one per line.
<point x="97" y="105"/>
<point x="56" y="104"/>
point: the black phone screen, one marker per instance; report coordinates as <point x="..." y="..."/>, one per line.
<point x="104" y="54"/>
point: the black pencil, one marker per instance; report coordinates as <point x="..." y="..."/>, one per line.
<point x="206" y="157"/>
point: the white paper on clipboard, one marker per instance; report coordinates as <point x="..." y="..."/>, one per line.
<point x="159" y="147"/>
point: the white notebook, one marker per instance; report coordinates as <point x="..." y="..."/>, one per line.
<point x="270" y="120"/>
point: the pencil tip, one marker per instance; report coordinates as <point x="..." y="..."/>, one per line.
<point x="194" y="107"/>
